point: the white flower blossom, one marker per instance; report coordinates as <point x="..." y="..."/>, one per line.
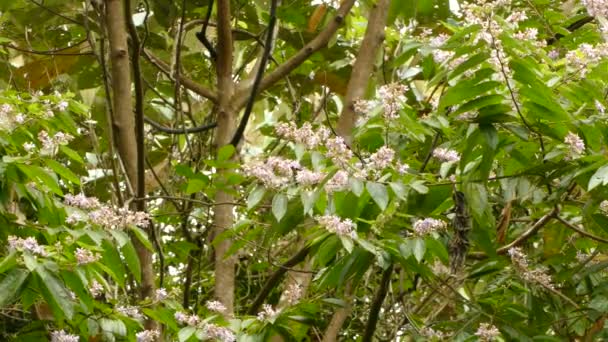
<point x="267" y="313"/>
<point x="130" y="311"/>
<point x="85" y="256"/>
<point x="220" y="333"/>
<point x="307" y="178"/>
<point x="522" y="266"/>
<point x="96" y="289"/>
<point x="62" y="336"/>
<point x="147" y="335"/>
<point x="338" y="182"/>
<point x="487" y="332"/>
<point x="337" y="226"/>
<point x="293" y="293"/>
<point x="160" y="294"/>
<point x="575" y="144"/>
<point x="428" y="226"/>
<point x="29" y="146"/>
<point x="217" y="306"/>
<point x="392" y="97"/>
<point x="446" y="155"/>
<point x="381" y="159"/>
<point x="28" y="244"/>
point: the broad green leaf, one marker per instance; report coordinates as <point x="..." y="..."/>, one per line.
<point x="132" y="260"/>
<point x="600" y="177"/>
<point x="71" y="154"/>
<point x="225" y="152"/>
<point x="63" y="171"/>
<point x="279" y="206"/>
<point x="113" y="326"/>
<point x="185" y="333"/>
<point x="58" y="296"/>
<point x="111" y="260"/>
<point x="11" y="283"/>
<point x="419" y="249"/>
<point x="466" y="91"/>
<point x="379" y="194"/>
<point x="356" y="186"/>
<point x="255" y="196"/>
<point x="41" y="177"/>
<point x="142" y="236"/>
<point x="399" y="189"/>
<point x="8" y="261"/>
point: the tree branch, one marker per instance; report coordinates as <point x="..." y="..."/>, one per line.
<point x="185" y="81"/>
<point x="313" y="46"/>
<point x="523" y="237"/>
<point x="580" y="231"/>
<point x="202" y="35"/>
<point x="189" y="130"/>
<point x="238" y="134"/>
<point x="275" y="278"/>
<point x="374" y="310"/>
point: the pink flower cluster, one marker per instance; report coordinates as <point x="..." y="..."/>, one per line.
<point x="575" y="144"/>
<point x="147" y="335"/>
<point x="521" y="263"/>
<point x="28" y="244"/>
<point x="85" y="256"/>
<point x="267" y="313"/>
<point x="392" y="97"/>
<point x="104" y="215"/>
<point x="428" y="226"/>
<point x="274" y="172"/>
<point x="211" y="330"/>
<point x="487" y="332"/>
<point x="304" y="135"/>
<point x="446" y="155"/>
<point x="337" y="226"/>
<point x="62" y="336"/>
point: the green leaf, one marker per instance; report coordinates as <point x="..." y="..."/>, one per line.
<point x="143" y="238"/>
<point x="10" y="286"/>
<point x="185" y="333"/>
<point x="255" y="196"/>
<point x="379" y="194"/>
<point x="465" y="90"/>
<point x="225" y="152"/>
<point x="71" y="154"/>
<point x="356" y="186"/>
<point x="399" y="190"/>
<point x="419" y="249"/>
<point x="112" y="262"/>
<point x="63" y="171"/>
<point x="8" y="261"/>
<point x="309" y="198"/>
<point x="113" y="326"/>
<point x="279" y="206"/>
<point x="57" y="295"/>
<point x="195" y="185"/>
<point x="419" y="186"/>
<point x="132" y="260"/>
<point x="40" y="176"/>
<point x="599" y="177"/>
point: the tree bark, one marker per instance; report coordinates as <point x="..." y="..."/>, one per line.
<point x="124" y="123"/>
<point x="340" y="316"/>
<point x="226" y="123"/>
<point x="363" y="68"/>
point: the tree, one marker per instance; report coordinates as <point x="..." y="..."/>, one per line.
<point x="326" y="170"/>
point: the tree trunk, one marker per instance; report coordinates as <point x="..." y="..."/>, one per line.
<point x="363" y="68"/>
<point x="226" y="123"/>
<point x="124" y="123"/>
